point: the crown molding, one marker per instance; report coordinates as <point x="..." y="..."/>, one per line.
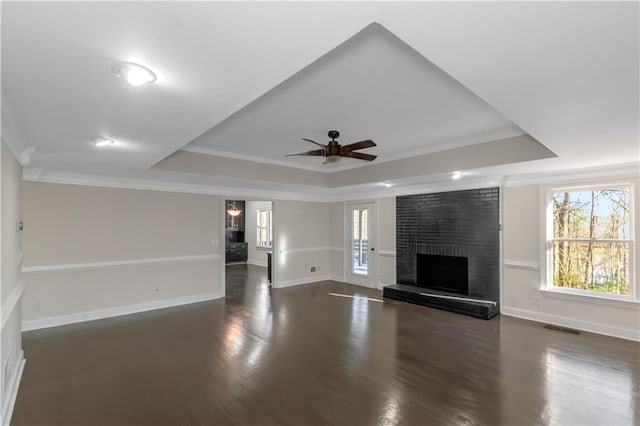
<point x="38" y="175"/>
<point x="340" y="194"/>
<point x="10" y="143"/>
<point x="457" y="185"/>
<point x="11" y="134"/>
<point x="339" y="167"/>
<point x="608" y="171"/>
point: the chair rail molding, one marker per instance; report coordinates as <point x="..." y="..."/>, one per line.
<point x="29" y="270"/>
<point x="521" y="264"/>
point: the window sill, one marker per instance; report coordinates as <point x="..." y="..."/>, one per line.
<point x="590" y="298"/>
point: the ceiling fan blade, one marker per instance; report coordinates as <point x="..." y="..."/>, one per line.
<point x="359" y="156"/>
<point x="314" y="153"/>
<point x="319" y="144"/>
<point x="358" y="145"/>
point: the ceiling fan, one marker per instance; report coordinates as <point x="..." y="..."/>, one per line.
<point x="332" y="151"/>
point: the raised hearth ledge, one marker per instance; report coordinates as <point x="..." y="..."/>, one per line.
<point x="485" y="309"/>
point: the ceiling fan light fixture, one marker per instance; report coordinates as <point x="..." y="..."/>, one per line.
<point x="333" y="151"/>
<point x="134" y="74"/>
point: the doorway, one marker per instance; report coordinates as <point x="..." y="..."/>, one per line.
<point x="248" y="227"/>
<point x="360" y="245"/>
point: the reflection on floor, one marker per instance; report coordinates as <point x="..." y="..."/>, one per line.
<point x="300" y="356"/>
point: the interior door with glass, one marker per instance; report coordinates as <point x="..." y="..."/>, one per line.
<point x="361" y="244"/>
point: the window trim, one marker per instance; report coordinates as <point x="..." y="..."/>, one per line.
<point x="268" y="227"/>
<point x="546" y="246"/>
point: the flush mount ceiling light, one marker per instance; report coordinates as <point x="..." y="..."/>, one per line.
<point x="456" y="175"/>
<point x="134" y="74"/>
<point x="101" y="142"/>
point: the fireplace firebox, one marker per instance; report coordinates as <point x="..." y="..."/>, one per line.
<point x="443" y="273"/>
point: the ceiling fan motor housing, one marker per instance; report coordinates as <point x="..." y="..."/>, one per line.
<point x="333" y="148"/>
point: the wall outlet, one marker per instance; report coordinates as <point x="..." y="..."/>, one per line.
<point x="35" y="307"/>
<point x="314" y="268"/>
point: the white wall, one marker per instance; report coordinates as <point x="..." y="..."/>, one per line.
<point x="387" y="241"/>
<point x="302" y="241"/>
<point x="336" y="241"/>
<point x="92" y="252"/>
<point x="255" y="256"/>
<point x="522" y="277"/>
<point x="11" y="355"/>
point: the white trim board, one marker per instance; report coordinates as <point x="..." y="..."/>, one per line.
<point x="592" y="327"/>
<point x="521" y="264"/>
<point x="256" y="263"/>
<point x="328" y="195"/>
<point x="114" y="264"/>
<point x="69" y="178"/>
<point x="387" y="253"/>
<point x="115" y="311"/>
<point x="12" y="390"/>
<point x="309" y="250"/>
<point x="12" y="301"/>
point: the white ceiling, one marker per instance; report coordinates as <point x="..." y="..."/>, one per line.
<point x="372" y="86"/>
<point x="565" y="73"/>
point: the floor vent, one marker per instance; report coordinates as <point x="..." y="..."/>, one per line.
<point x="563" y="329"/>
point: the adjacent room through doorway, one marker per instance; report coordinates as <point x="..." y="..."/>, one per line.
<point x="248" y="246"/>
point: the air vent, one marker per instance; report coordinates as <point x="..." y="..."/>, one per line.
<point x="563" y="329"/>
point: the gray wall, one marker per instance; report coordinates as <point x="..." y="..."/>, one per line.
<point x="90" y="249"/>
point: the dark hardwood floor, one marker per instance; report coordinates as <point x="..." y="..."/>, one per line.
<point x="300" y="356"/>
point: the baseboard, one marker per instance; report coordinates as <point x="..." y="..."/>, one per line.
<point x="338" y="278"/>
<point x="305" y="280"/>
<point x="256" y="263"/>
<point x="115" y="311"/>
<point x="12" y="391"/>
<point x="592" y="327"/>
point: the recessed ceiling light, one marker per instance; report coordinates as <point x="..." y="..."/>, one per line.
<point x="456" y="175"/>
<point x="100" y="142"/>
<point x="134" y="74"/>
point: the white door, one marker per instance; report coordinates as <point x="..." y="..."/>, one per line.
<point x="361" y="255"/>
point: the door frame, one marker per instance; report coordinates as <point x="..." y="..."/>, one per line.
<point x="373" y="265"/>
<point x="222" y="244"/>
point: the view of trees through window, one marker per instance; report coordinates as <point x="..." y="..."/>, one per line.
<point x="592" y="240"/>
<point x="265" y="235"/>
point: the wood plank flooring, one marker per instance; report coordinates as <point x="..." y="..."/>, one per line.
<point x="300" y="356"/>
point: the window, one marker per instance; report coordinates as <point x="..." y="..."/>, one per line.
<point x="589" y="240"/>
<point x="264" y="236"/>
